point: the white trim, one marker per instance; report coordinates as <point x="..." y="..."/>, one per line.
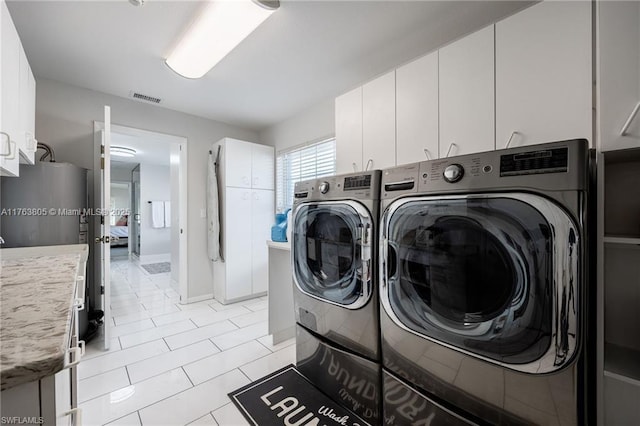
<point x="197" y="299"/>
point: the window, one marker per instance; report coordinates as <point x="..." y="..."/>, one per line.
<point x="302" y="163"/>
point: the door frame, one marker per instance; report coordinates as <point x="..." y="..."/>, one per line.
<point x="182" y="185"/>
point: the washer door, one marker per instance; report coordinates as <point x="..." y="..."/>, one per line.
<point x="332" y="252"/>
<point x="492" y="276"/>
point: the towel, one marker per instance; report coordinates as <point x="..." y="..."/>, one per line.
<point x="213" y="218"/>
<point x="157" y="214"/>
<point x="167" y="214"/>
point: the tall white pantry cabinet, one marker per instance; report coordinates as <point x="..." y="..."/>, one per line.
<point x="246" y="197"/>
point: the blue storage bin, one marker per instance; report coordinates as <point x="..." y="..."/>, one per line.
<point x="279" y="230"/>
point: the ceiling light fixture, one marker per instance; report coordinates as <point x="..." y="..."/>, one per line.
<point x="222" y="25"/>
<point x="121" y="151"/>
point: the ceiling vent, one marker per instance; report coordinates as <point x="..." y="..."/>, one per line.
<point x="146" y="98"/>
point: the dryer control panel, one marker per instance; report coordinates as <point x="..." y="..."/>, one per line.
<point x="359" y="186"/>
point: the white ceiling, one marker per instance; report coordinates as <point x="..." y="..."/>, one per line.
<point x="305" y="53"/>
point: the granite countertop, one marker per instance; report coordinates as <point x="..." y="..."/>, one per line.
<point x="37" y="289"/>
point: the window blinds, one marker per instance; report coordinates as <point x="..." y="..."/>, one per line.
<point x="302" y="163"/>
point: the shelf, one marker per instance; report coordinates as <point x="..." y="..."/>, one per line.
<point x="622" y="363"/>
<point x="622" y="240"/>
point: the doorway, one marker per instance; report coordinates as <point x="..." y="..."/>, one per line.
<point x="152" y="167"/>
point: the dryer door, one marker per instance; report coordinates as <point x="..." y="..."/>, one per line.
<point x="332" y="252"/>
<point x="492" y="276"/>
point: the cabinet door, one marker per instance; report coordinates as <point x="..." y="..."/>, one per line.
<point x="26" y="108"/>
<point x="238" y="242"/>
<point x="10" y="63"/>
<point x="379" y="122"/>
<point x="543" y="74"/>
<point x="262" y="166"/>
<point x="467" y="117"/>
<point x="349" y="131"/>
<point x="417" y="110"/>
<point x="237" y="163"/>
<point x="619" y="79"/>
<point x="262" y="218"/>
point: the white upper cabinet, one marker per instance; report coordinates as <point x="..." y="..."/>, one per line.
<point x="262" y="166"/>
<point x="238" y="154"/>
<point x="417" y="110"/>
<point x="379" y="122"/>
<point x="10" y="114"/>
<point x="27" y="111"/>
<point x="348" y="110"/>
<point x="618" y="45"/>
<point x="543" y="74"/>
<point x="467" y="96"/>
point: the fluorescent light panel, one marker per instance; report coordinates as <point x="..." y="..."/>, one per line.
<point x="217" y="31"/>
<point x="121" y="151"/>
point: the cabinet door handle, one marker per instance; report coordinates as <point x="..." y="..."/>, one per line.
<point x="10" y="154"/>
<point x="369" y="164"/>
<point x="511" y="138"/>
<point x="453" y="144"/>
<point x="427" y="154"/>
<point x="77" y="415"/>
<point x="627" y="123"/>
<point x="78" y="352"/>
<point x="79" y="301"/>
<point x="354" y="167"/>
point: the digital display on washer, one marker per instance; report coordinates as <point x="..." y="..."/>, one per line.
<point x="535" y="162"/>
<point x="352" y="183"/>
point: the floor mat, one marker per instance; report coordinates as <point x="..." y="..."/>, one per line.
<point x="286" y="397"/>
<point x="157" y="268"/>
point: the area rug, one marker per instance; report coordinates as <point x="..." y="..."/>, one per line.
<point x="285" y="398"/>
<point x="157" y="268"/>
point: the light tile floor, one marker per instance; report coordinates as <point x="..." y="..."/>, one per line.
<point x="173" y="364"/>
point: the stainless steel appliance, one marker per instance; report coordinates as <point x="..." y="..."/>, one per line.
<point x="483" y="287"/>
<point x="46" y="205"/>
<point x="334" y="256"/>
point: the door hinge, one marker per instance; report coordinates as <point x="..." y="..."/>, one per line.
<point x="101" y="289"/>
<point x="101" y="149"/>
<point x="101" y="220"/>
<point x="181" y="231"/>
<point x="102" y="163"/>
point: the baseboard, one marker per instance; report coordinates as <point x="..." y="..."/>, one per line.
<point x="282" y="335"/>
<point x="197" y="299"/>
<point x="241" y="299"/>
<point x="154" y="258"/>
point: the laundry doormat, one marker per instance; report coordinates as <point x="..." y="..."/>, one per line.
<point x="157" y="268"/>
<point x="286" y="397"/>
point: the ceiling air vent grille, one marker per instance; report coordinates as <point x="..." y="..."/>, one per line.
<point x="146" y="98"/>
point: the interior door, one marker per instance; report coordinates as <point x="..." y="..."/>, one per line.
<point x="104" y="239"/>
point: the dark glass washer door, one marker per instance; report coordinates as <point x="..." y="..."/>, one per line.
<point x="475" y="273"/>
<point x="332" y="252"/>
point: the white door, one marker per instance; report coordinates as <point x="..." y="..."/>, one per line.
<point x="467" y="96"/>
<point x="238" y="243"/>
<point x="379" y="122"/>
<point x="543" y="74"/>
<point x="238" y="153"/>
<point x="262" y="167"/>
<point x="349" y="132"/>
<point x="262" y="217"/>
<point x="417" y="110"/>
<point x="104" y="239"/>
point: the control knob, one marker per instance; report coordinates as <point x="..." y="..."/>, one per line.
<point x="453" y="173"/>
<point x="324" y="187"/>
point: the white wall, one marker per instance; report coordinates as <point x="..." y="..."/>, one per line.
<point x="313" y="124"/>
<point x="155" y="185"/>
<point x="120" y="197"/>
<point x="64" y="119"/>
